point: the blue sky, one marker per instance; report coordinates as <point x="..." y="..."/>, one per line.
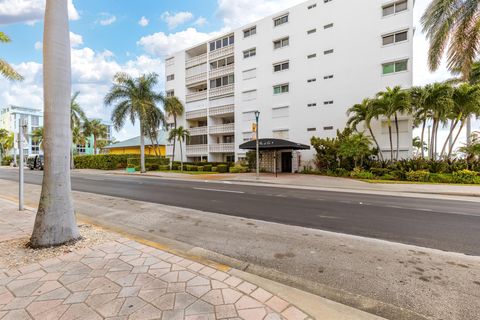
<point x="134" y="36"/>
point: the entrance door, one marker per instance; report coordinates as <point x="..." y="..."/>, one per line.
<point x="287" y="162"/>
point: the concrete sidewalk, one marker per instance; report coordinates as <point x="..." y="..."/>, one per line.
<point x="125" y="279"/>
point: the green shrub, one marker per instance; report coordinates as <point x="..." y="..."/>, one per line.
<point x="207" y="167"/>
<point x="154" y="167"/>
<point x="103" y="161"/>
<point x="418" y="176"/>
<point x="7" y="160"/>
<point x="361" y="174"/>
<point x="190" y="167"/>
<point x="214" y="169"/>
<point x="222" y="168"/>
<point x="341" y="172"/>
<point x="466" y="176"/>
<point x="238" y="169"/>
<point x="164" y="167"/>
<point x="387" y="177"/>
<point x="175" y="166"/>
<point x="159" y="161"/>
<point x="379" y="172"/>
<point x="441" y="178"/>
<point x="199" y="168"/>
<point x="137" y="168"/>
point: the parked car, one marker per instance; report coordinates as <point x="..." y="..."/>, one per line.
<point x="35" y="162"/>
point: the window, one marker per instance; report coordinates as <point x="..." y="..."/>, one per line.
<point x="35" y="121"/>
<point x="220" y="43"/>
<point x="222" y="81"/>
<point x="328" y="52"/>
<point x="281" y="43"/>
<point x="312" y="6"/>
<point x="250" y="53"/>
<point x="249" y="74"/>
<point x="282" y="88"/>
<point x="396" y="66"/>
<point x="170" y="77"/>
<point x="280" y="20"/>
<point x="395" y="37"/>
<point x="311" y="80"/>
<point x="396" y="7"/>
<point x="281" y="66"/>
<point x="280" y="112"/>
<point x="311" y="56"/>
<point x="311" y="31"/>
<point x="170" y="62"/>
<point x="222" y="63"/>
<point x="328" y="128"/>
<point x="310" y="105"/>
<point x="311" y="129"/>
<point x="250" y="32"/>
<point x="327" y="102"/>
<point x="330" y="76"/>
<point x="328" y="26"/>
<point x="170" y="93"/>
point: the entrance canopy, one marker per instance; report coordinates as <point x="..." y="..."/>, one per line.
<point x="273" y="144"/>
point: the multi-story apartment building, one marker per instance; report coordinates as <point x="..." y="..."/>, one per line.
<point x="301" y="69"/>
<point x="12" y="116"/>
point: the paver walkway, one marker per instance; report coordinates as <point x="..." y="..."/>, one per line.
<point x="124" y="279"/>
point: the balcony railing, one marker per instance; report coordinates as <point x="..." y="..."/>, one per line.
<point x="222" y="91"/>
<point x="197" y="150"/>
<point x="195" y="96"/>
<point x="198" y="131"/>
<point x="221" y="110"/>
<point x="225" y="51"/>
<point x="195" y="61"/>
<point x="195" y="114"/>
<point x="223" y="128"/>
<point x="223" y="71"/>
<point x="222" y="148"/>
<point x="197" y="78"/>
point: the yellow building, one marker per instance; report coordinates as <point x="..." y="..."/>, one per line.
<point x="132" y="146"/>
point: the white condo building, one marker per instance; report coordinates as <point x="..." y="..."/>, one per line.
<point x="302" y="68"/>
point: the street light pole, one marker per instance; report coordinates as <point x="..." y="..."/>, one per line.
<point x="22" y="126"/>
<point x="257" y="115"/>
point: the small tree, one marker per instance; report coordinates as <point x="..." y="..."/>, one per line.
<point x="96" y="129"/>
<point x="182" y="134"/>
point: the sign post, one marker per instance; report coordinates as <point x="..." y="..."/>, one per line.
<point x="257" y="115"/>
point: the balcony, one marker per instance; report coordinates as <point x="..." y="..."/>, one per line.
<point x="222" y="148"/>
<point x="195" y="79"/>
<point x="198" y="131"/>
<point x="196" y="114"/>
<point x="195" y="61"/>
<point x="223" y="71"/>
<point x="197" y="150"/>
<point x="223" y="91"/>
<point x="225" y="51"/>
<point x="222" y="128"/>
<point x="195" y="96"/>
<point x="221" y="110"/>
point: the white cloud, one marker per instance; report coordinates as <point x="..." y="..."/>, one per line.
<point x="161" y="44"/>
<point x="28" y="11"/>
<point x="106" y="19"/>
<point x="200" y="22"/>
<point x="179" y="18"/>
<point x="143" y="22"/>
<point x="38" y="45"/>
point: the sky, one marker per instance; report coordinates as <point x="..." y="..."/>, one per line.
<point x="108" y="36"/>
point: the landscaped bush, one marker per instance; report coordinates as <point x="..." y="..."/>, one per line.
<point x="466" y="176"/>
<point x="214" y="169"/>
<point x="238" y="169"/>
<point x="199" y="168"/>
<point x="441" y="178"/>
<point x="222" y="168"/>
<point x="159" y="161"/>
<point x="103" y="161"/>
<point x="380" y="171"/>
<point x="6" y="160"/>
<point x="361" y="174"/>
<point x="175" y="166"/>
<point x="153" y="167"/>
<point x="164" y="167"/>
<point x="207" y="167"/>
<point x="418" y="176"/>
<point x="341" y="172"/>
<point x="387" y="177"/>
<point x="190" y="167"/>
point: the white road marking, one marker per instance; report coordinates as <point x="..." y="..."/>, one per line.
<point x="219" y="190"/>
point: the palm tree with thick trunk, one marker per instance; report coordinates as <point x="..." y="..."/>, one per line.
<point x="182" y="135"/>
<point x="364" y="113"/>
<point x="96" y="129"/>
<point x="55" y="221"/>
<point x="7" y="70"/>
<point x="174" y="108"/>
<point x="134" y="99"/>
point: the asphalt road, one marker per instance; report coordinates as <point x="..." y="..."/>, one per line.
<point x="440" y="224"/>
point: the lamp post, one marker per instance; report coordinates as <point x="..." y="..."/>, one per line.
<point x="257" y="115"/>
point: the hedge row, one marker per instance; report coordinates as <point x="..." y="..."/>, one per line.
<point x="133" y="162"/>
<point x="102" y="161"/>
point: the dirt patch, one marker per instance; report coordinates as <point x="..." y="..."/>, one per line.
<point x="16" y="253"/>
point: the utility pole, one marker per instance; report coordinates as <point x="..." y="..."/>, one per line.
<point x="257" y="115"/>
<point x="21" y="129"/>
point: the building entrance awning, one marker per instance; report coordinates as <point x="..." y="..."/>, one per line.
<point x="273" y="144"/>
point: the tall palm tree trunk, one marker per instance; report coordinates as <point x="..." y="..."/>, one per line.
<point x="391" y="140"/>
<point x="181" y="155"/>
<point x="398" y="137"/>
<point x="174" y="141"/>
<point x="422" y="138"/>
<point x="55" y="221"/>
<point x="462" y="125"/>
<point x="448" y="141"/>
<point x="375" y="141"/>
<point x="142" y="149"/>
<point x="94" y="145"/>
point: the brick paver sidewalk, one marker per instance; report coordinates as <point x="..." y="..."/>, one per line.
<point x="124" y="279"/>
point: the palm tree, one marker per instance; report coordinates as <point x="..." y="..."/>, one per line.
<point x="134" y="98"/>
<point x="4" y="137"/>
<point x="154" y="120"/>
<point x="6" y="70"/>
<point x="174" y="108"/>
<point x="96" y="129"/>
<point x="364" y="112"/>
<point x="453" y="26"/>
<point x="390" y="103"/>
<point x="420" y="113"/>
<point x="77" y="117"/>
<point x="78" y="138"/>
<point x="55" y="221"/>
<point x="181" y="134"/>
<point x="37" y="136"/>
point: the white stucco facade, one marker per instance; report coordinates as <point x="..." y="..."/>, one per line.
<point x="330" y="54"/>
